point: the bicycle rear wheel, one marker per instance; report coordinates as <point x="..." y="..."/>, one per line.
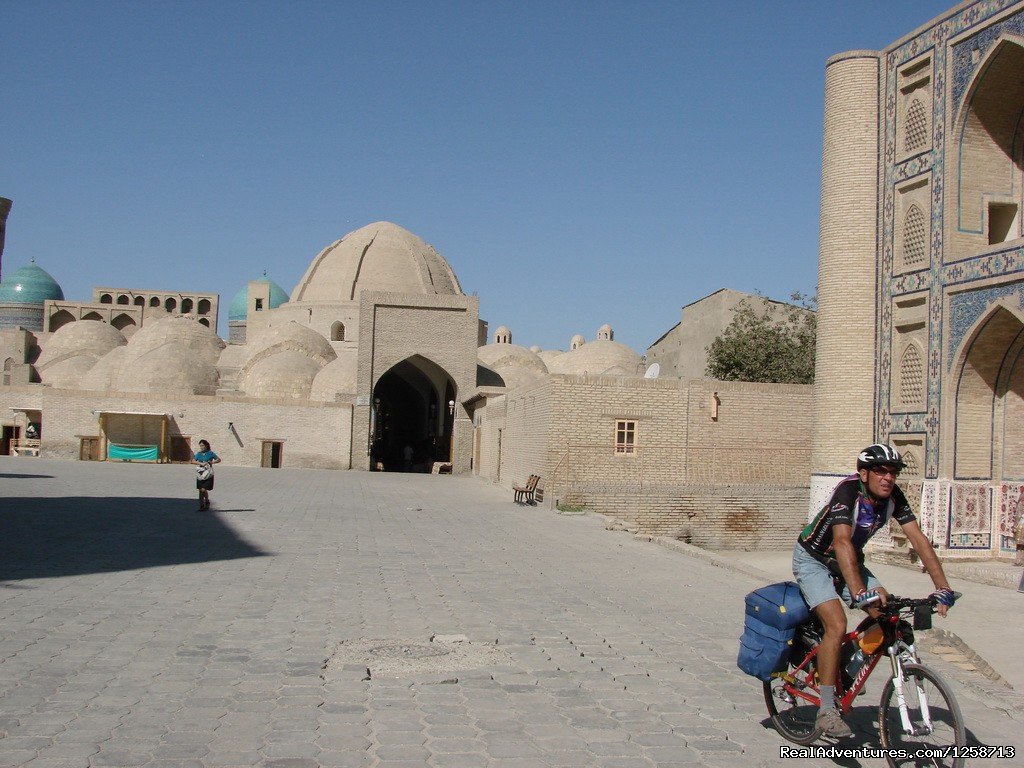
<point x="921" y="684"/>
<point x="792" y="716"/>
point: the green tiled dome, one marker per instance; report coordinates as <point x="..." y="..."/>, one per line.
<point x="239" y="306"/>
<point x="29" y="284"/>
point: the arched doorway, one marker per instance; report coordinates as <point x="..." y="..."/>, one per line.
<point x="988" y="458"/>
<point x="412" y="417"/>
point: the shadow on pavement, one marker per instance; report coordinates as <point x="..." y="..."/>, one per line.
<point x="71" y="535"/>
<point x="16" y="476"/>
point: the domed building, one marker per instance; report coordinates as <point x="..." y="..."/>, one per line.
<point x="601" y="356"/>
<point x="404" y="338"/>
<point x="23" y="294"/>
<point x="515" y="365"/>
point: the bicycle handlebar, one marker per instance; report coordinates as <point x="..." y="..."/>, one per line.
<point x="895" y="603"/>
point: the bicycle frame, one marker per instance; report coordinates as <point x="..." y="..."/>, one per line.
<point x="802" y="683"/>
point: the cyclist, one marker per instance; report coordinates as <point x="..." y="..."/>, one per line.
<point x="832" y="544"/>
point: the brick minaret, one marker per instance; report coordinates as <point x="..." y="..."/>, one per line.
<point x="844" y="379"/>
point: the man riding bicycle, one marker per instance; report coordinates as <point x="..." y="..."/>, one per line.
<point x="832" y="545"/>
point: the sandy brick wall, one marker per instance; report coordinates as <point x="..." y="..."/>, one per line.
<point x="490" y="420"/>
<point x="314" y="436"/>
<point x="527" y="435"/>
<point x="745" y="517"/>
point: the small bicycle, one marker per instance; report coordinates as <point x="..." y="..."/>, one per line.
<point x="919" y="720"/>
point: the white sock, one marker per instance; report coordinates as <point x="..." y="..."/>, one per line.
<point x="828" y="697"/>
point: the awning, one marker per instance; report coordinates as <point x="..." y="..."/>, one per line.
<point x="162" y="414"/>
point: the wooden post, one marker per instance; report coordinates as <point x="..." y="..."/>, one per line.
<point x="103" y="437"/>
<point x="162" y="454"/>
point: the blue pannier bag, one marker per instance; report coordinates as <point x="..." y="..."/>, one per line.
<point x="772" y="615"/>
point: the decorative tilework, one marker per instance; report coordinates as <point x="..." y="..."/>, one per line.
<point x="964" y="66"/>
<point x="966" y="308"/>
<point x="957" y="66"/>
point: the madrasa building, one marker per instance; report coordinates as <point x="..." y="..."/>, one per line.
<point x="921" y="261"/>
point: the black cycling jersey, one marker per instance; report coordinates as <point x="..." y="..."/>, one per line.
<point x="851" y="505"/>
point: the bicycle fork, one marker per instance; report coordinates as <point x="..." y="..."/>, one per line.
<point x="897" y="657"/>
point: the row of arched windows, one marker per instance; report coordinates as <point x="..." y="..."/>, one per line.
<point x="170" y="303"/>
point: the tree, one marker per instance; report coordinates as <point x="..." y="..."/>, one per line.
<point x="772" y="344"/>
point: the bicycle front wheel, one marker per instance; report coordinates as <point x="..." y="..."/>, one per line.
<point x="933" y="715"/>
<point x="792" y="716"/>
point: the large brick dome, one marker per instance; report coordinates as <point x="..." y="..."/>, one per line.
<point x="378" y="257"/>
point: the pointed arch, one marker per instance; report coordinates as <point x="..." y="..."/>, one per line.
<point x="989" y="137"/>
<point x="989" y="382"/>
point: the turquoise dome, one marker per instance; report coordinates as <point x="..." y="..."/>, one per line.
<point x="30" y="284"/>
<point x="239" y="306"/>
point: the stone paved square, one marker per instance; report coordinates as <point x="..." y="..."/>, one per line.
<point x="135" y="631"/>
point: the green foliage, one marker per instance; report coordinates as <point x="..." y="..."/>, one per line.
<point x="768" y="343"/>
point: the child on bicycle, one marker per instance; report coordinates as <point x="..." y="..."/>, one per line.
<point x="832" y="545"/>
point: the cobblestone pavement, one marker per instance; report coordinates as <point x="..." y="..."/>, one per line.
<point x="136" y="631"/>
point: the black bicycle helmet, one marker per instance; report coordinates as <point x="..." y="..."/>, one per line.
<point x="880" y="455"/>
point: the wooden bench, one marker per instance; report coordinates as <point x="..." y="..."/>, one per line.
<point x="525" y="494"/>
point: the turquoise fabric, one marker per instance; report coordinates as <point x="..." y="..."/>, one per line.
<point x="239" y="306"/>
<point x="29" y="284"/>
<point x="133" y="452"/>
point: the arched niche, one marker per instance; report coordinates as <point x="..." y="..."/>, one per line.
<point x="412" y="412"/>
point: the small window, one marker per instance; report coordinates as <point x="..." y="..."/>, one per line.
<point x="204" y="306"/>
<point x="139" y="301"/>
<point x="186" y="306"/>
<point x="171" y="304"/>
<point x="154" y="301"/>
<point x="625" y="436"/>
<point x="338" y="331"/>
<point x="259" y="305"/>
<point x="1002" y="222"/>
<point x="106" y="298"/>
<point x="122" y="299"/>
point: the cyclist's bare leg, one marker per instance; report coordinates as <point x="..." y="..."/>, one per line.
<point x="833" y="620"/>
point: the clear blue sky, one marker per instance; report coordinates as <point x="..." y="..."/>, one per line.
<point x="576" y="162"/>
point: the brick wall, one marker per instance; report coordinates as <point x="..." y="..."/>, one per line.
<point x="745" y="517"/>
<point x="316" y="436"/>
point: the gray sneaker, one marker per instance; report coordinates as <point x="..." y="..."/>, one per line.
<point x="831" y="724"/>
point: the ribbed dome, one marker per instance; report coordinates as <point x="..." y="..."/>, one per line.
<point x="596" y="357"/>
<point x="377" y="257"/>
<point x="288" y="374"/>
<point x="29" y="284"/>
<point x="239" y="307"/>
<point x="84" y="337"/>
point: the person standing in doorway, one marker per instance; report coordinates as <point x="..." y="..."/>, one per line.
<point x="204" y="461"/>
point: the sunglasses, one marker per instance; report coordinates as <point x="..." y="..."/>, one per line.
<point x="884" y="471"/>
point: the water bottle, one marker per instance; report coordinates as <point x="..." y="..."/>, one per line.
<point x="856" y="662"/>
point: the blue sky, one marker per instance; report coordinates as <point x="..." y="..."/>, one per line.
<point x="576" y="162"/>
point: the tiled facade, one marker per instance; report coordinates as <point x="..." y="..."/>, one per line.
<point x="946" y="301"/>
